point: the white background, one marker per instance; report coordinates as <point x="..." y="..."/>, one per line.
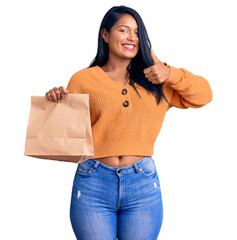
<point x="43" y="43"/>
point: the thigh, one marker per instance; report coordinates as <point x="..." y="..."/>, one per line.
<point x="142" y="217"/>
<point x="91" y="217"/>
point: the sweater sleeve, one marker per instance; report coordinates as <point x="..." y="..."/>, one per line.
<point x="73" y="84"/>
<point x="189" y="90"/>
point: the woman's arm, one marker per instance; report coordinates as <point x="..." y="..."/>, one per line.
<point x="73" y="85"/>
<point x="189" y="90"/>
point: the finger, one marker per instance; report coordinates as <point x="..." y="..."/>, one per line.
<point x="53" y="95"/>
<point x="155" y="59"/>
<point x="147" y="70"/>
<point x="150" y="74"/>
<point x="62" y="94"/>
<point x="153" y="79"/>
<point x="64" y="90"/>
<point x="153" y="56"/>
<point x="57" y="92"/>
<point x="48" y="96"/>
<point x="156" y="82"/>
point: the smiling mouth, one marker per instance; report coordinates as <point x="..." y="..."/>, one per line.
<point x="128" y="47"/>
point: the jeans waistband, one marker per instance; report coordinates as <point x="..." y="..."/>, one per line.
<point x="131" y="168"/>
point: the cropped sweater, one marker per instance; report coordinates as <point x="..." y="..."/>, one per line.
<point x="125" y="124"/>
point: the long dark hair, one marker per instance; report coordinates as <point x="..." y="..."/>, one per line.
<point x="143" y="58"/>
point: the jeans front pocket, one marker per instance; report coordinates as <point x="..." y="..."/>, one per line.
<point x="149" y="169"/>
<point x="84" y="169"/>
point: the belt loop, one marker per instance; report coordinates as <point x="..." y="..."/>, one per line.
<point x="136" y="167"/>
<point x="96" y="164"/>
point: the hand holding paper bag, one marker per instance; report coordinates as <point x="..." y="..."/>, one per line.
<point x="60" y="131"/>
<point x="56" y="94"/>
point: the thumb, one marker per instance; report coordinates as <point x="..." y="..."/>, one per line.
<point x="153" y="56"/>
<point x="65" y="90"/>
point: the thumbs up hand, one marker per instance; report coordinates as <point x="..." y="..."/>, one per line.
<point x="157" y="73"/>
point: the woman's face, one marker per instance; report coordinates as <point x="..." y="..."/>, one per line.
<point x="125" y="31"/>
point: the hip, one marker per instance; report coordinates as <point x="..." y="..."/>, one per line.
<point x="123" y="185"/>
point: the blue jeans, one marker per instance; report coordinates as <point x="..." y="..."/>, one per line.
<point x="122" y="203"/>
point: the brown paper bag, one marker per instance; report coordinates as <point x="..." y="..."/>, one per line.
<point x="60" y="131"/>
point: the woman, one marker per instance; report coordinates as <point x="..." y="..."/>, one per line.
<point x="117" y="193"/>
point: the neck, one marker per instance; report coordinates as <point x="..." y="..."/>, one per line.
<point x="117" y="64"/>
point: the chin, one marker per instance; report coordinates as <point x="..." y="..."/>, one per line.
<point x="131" y="55"/>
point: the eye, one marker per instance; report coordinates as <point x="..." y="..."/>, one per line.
<point x="125" y="30"/>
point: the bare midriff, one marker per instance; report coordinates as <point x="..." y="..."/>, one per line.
<point x="120" y="161"/>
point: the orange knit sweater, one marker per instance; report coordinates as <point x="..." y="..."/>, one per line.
<point x="125" y="124"/>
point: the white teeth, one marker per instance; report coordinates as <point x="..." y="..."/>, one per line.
<point x="130" y="46"/>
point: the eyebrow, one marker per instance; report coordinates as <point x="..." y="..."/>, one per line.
<point x="124" y="26"/>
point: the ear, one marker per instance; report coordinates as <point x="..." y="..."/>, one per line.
<point x="105" y="35"/>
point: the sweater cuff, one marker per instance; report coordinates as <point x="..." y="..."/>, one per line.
<point x="175" y="75"/>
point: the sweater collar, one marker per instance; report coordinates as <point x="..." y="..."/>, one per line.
<point x="111" y="81"/>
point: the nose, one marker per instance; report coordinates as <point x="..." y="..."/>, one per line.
<point x="132" y="36"/>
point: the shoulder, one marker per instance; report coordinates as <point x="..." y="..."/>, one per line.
<point x="84" y="73"/>
<point x="81" y="80"/>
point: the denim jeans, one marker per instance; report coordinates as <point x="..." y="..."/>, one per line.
<point x="122" y="203"/>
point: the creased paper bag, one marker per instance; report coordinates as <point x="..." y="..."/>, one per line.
<point x="60" y="131"/>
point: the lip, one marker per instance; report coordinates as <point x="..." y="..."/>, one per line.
<point x="129" y="44"/>
<point x="129" y="48"/>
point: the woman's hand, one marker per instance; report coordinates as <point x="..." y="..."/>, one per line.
<point x="56" y="94"/>
<point x="157" y="73"/>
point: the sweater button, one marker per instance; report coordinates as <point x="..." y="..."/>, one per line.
<point x="125" y="104"/>
<point x="124" y="91"/>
